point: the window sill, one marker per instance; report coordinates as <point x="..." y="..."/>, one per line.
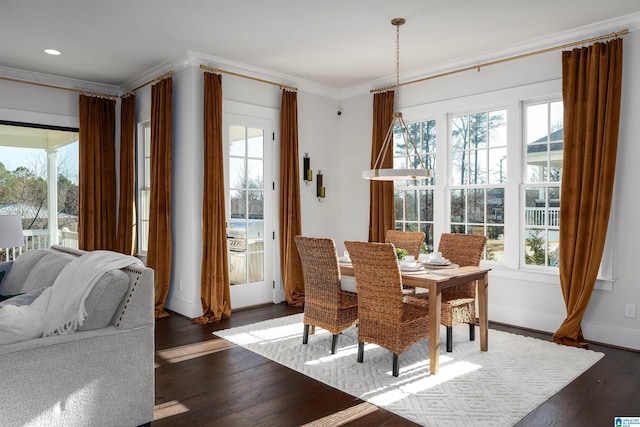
<point x="548" y="277"/>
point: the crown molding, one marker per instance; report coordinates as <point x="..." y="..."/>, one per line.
<point x="58" y="82"/>
<point x="175" y="64"/>
<point x="629" y="22"/>
<point x="261" y="73"/>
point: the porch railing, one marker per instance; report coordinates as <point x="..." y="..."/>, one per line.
<point x="39" y="239"/>
<point x="536" y="216"/>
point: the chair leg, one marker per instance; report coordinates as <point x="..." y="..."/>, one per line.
<point x="360" y="351"/>
<point x="305" y="335"/>
<point x="472" y="332"/>
<point x="396" y="368"/>
<point x="334" y="343"/>
<point x="449" y="339"/>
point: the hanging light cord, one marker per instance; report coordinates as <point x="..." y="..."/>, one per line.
<point x="397" y="115"/>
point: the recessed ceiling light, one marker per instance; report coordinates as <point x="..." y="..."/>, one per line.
<point x="53" y="52"/>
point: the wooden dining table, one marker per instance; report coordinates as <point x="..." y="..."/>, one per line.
<point x="434" y="281"/>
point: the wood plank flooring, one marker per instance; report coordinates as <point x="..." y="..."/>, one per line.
<point x="202" y="380"/>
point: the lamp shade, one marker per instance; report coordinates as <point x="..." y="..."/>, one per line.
<point x="11" y="231"/>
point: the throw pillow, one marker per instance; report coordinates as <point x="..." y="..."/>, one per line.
<point x="23" y="299"/>
<point x="19" y="324"/>
<point x="22" y="266"/>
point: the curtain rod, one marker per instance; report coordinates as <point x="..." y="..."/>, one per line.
<point x="218" y="70"/>
<point x="154" y="80"/>
<point x="85" y="92"/>
<point x="511" y="58"/>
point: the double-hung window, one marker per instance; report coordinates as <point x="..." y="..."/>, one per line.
<point x="413" y="199"/>
<point x="144" y="184"/>
<point x="544" y="145"/>
<point x="478" y="177"/>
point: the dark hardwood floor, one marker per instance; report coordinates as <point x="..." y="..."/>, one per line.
<point x="202" y="380"/>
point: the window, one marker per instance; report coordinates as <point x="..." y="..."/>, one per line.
<point x="478" y="177"/>
<point x="31" y="156"/>
<point x="544" y="142"/>
<point x="413" y="199"/>
<point x="144" y="184"/>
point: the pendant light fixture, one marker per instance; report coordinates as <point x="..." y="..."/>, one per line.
<point x="381" y="174"/>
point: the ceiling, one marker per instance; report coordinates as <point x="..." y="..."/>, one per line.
<point x="33" y="137"/>
<point x="334" y="43"/>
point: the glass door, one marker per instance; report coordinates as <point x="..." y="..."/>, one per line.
<point x="250" y="233"/>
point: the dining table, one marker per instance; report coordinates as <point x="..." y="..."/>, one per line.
<point x="435" y="281"/>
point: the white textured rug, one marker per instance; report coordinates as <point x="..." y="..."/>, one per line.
<point x="472" y="388"/>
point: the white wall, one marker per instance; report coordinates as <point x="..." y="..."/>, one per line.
<point x="532" y="300"/>
<point x="20" y="102"/>
<point x="318" y="136"/>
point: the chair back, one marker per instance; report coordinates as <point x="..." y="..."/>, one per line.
<point x="378" y="280"/>
<point x="462" y="249"/>
<point x="322" y="281"/>
<point x="411" y="241"/>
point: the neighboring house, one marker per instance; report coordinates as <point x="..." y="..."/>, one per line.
<point x="36" y="218"/>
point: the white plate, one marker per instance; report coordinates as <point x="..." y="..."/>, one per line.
<point x="413" y="268"/>
<point x="443" y="261"/>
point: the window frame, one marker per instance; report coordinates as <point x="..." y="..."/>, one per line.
<point x="484" y="186"/>
<point x="424" y="188"/>
<point x="545" y="184"/>
<point x="142" y="186"/>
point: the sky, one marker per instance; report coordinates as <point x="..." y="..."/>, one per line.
<point x="67" y="158"/>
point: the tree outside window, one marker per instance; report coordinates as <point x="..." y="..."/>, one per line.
<point x="478" y="177"/>
<point x="413" y="199"/>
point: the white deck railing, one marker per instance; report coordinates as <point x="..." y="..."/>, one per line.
<point x="39" y="239"/>
<point x="536" y="216"/>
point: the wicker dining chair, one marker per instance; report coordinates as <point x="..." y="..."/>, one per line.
<point x="411" y="241"/>
<point x="326" y="305"/>
<point x="383" y="317"/>
<point x="458" y="303"/>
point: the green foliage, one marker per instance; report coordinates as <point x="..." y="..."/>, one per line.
<point x="535" y="243"/>
<point x="401" y="253"/>
<point x="27" y="187"/>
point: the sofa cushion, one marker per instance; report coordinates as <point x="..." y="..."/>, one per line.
<point x="45" y="272"/>
<point x="104" y="299"/>
<point x="22" y="266"/>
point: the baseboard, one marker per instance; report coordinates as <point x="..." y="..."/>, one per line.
<point x="596" y="333"/>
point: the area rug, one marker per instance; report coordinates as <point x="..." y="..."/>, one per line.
<point x="472" y="388"/>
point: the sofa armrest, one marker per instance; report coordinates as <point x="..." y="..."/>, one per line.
<point x="100" y="377"/>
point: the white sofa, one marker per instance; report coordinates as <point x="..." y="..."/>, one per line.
<point x="100" y="375"/>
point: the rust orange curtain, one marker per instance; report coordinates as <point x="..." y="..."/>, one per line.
<point x="591" y="91"/>
<point x="126" y="241"/>
<point x="97" y="174"/>
<point x="215" y="294"/>
<point x="290" y="218"/>
<point x="381" y="208"/>
<point x="159" y="253"/>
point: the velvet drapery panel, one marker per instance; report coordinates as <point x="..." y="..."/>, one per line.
<point x="290" y="217"/>
<point x="126" y="240"/>
<point x="215" y="293"/>
<point x="97" y="174"/>
<point x="381" y="201"/>
<point x="160" y="248"/>
<point x="591" y="91"/>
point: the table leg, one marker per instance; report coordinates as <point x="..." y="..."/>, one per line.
<point x="483" y="291"/>
<point x="435" y="298"/>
